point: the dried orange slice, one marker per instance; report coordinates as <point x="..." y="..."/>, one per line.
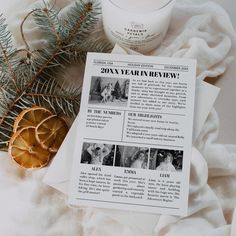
<point x="26" y="151"/>
<point x="51" y="132"/>
<point x="31" y="117"/>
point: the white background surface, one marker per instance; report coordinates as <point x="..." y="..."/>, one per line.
<point x="226" y="102"/>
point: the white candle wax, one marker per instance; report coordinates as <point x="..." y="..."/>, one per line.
<point x="138" y="24"/>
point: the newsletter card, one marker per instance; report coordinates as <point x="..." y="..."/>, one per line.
<point x="134" y="138"/>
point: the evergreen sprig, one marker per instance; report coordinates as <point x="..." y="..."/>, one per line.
<point x="31" y="80"/>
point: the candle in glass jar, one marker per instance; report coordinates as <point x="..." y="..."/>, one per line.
<point x="140" y="25"/>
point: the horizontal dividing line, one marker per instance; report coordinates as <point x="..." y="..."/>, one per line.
<point x="141" y="63"/>
<point x="124" y="203"/>
<point x="106" y="108"/>
<point x="135" y="62"/>
<point x="130" y="67"/>
<point x="126" y="143"/>
<point x="162" y="113"/>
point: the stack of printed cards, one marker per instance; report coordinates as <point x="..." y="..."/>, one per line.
<point x="132" y="140"/>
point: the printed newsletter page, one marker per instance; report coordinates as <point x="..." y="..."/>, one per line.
<point x="133" y="144"/>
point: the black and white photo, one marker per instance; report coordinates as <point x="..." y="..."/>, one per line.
<point x="133" y="157"/>
<point x="166" y="160"/>
<point x="109" y="91"/>
<point x="98" y="154"/>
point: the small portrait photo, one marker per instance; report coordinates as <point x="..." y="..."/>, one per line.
<point x="98" y="154"/>
<point x="109" y="91"/>
<point x="166" y="160"/>
<point x="133" y="157"/>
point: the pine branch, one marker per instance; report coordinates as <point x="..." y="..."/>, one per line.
<point x="7" y="53"/>
<point x="30" y="80"/>
<point x="79" y="22"/>
<point x="49" y="23"/>
<point x="59" y="98"/>
<point x="82" y="14"/>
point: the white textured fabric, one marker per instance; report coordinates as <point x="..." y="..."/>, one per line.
<point x="28" y="207"/>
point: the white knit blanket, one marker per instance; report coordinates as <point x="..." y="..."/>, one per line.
<point x="29" y="207"/>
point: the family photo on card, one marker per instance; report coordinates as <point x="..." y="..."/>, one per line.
<point x="109" y="91"/>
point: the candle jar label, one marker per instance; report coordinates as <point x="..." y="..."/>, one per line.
<point x="141" y="32"/>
